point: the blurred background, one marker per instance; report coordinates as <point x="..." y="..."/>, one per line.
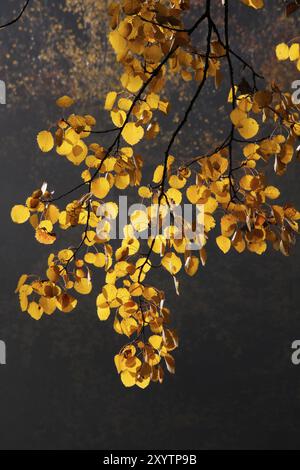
<point x="235" y="386"/>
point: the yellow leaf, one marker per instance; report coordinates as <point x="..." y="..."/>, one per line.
<point x="271" y="192"/>
<point x="103" y="313"/>
<point x="118" y="43"/>
<point x="155" y="341"/>
<point x="118" y="117"/>
<point x="158" y="174"/>
<point x="20" y="214"/>
<point x="100" y="187"/>
<point x="171" y="263"/>
<point x="45" y="141"/>
<point x="110" y="100"/>
<point x="100" y="260"/>
<point x="65" y="255"/>
<point x="282" y="51"/>
<point x="139" y="220"/>
<point x="64" y="101"/>
<point x="83" y="286"/>
<point x="223" y="243"/>
<point x="145" y="192"/>
<point x="122" y="180"/>
<point x="52" y="213"/>
<point x="228" y="225"/>
<point x="191" y="265"/>
<point x="174" y="196"/>
<point x="193" y="193"/>
<point x="237" y="115"/>
<point x="256" y="4"/>
<point x="109" y="292"/>
<point x="259" y="248"/>
<point x="294" y="52"/>
<point x="143" y="382"/>
<point x="48" y="305"/>
<point x="132" y="133"/>
<point x="90" y="258"/>
<point x="35" y="310"/>
<point x="177" y="182"/>
<point x="248" y="128"/>
<point x="44" y="237"/>
<point x="246" y="181"/>
<point x="132" y="83"/>
<point x="21" y="281"/>
<point x="66" y="303"/>
<point x="127" y="378"/>
<point x="124" y="104"/>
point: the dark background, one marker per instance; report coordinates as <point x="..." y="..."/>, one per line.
<point x="235" y="386"/>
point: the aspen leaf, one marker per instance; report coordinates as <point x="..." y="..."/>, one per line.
<point x="118" y="43"/>
<point x="103" y="313"/>
<point x="282" y="51"/>
<point x="171" y="263"/>
<point x="45" y="141"/>
<point x="262" y="98"/>
<point x="109" y="292"/>
<point x="110" y="100"/>
<point x="237" y="115"/>
<point x="259" y="248"/>
<point x="271" y="192"/>
<point x="83" y="286"/>
<point x="177" y="182"/>
<point x="100" y="260"/>
<point x="174" y="196"/>
<point x="193" y="193"/>
<point x="132" y="133"/>
<point x="124" y="104"/>
<point x="90" y="258"/>
<point x="21" y="282"/>
<point x="246" y="181"/>
<point x="158" y="174"/>
<point x="44" y="237"/>
<point x="170" y="363"/>
<point x="52" y="213"/>
<point x="191" y="265"/>
<point x="122" y="180"/>
<point x="118" y="117"/>
<point x="228" y="225"/>
<point x="256" y="4"/>
<point x="294" y="52"/>
<point x="223" y="243"/>
<point x="143" y="382"/>
<point x="132" y="83"/>
<point x="66" y="303"/>
<point x="64" y="101"/>
<point x="48" y="305"/>
<point x="35" y="310"/>
<point x="20" y="214"/>
<point x="145" y="192"/>
<point x="248" y="128"/>
<point x="100" y="187"/>
<point x="139" y="220"/>
<point x="127" y="378"/>
<point x="155" y="341"/>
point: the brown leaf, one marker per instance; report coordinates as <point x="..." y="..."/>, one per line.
<point x="291" y="8"/>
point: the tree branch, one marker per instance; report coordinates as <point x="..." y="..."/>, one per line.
<point x="17" y="18"/>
